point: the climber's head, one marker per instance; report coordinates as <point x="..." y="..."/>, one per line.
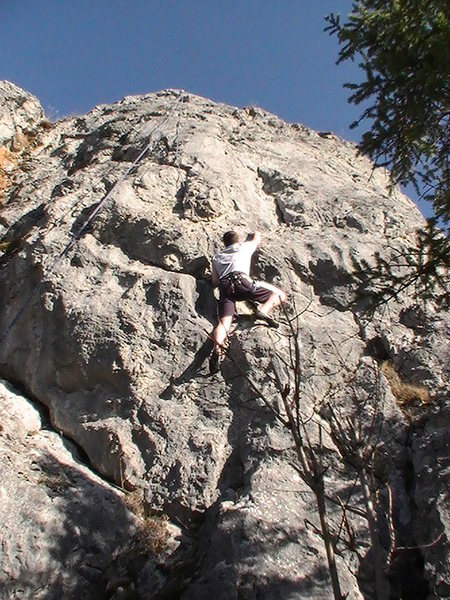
<point x="229" y="238"/>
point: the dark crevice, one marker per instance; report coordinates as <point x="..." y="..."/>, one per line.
<point x="279" y="212"/>
<point x="407" y="578"/>
<point x="15" y="237"/>
<point x="182" y="192"/>
<point x="77" y="452"/>
<point x="275" y="182"/>
<point x="378" y="348"/>
<point x="331" y="284"/>
<point x="17" y="387"/>
<point x="406" y="575"/>
<point x="206" y="305"/>
<point x="278" y="186"/>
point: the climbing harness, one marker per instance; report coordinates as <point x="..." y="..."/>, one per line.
<point x="77" y="235"/>
<point x="232" y="280"/>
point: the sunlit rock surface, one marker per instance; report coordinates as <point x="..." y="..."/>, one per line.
<point x="113" y="335"/>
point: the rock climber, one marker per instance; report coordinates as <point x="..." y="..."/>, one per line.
<point x="230" y="271"/>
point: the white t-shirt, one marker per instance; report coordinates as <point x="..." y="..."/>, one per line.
<point x="236" y="257"/>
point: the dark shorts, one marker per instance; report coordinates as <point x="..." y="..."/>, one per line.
<point x="238" y="288"/>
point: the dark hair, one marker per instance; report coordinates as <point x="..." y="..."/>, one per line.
<point x="230" y="237"/>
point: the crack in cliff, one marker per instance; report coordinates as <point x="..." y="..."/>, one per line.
<point x="407" y="569"/>
<point x="276" y="185"/>
<point x="406" y="573"/>
<point x="237" y="471"/>
<point x="74" y="448"/>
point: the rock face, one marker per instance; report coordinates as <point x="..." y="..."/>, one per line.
<point x="106" y="316"/>
<point x="20" y="113"/>
<point x="21" y="118"/>
<point x="55" y="514"/>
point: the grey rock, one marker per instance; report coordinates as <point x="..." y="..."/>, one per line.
<point x="61" y="525"/>
<point x="114" y="334"/>
<point x="20" y="112"/>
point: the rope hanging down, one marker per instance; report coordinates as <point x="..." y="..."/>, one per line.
<point x="77" y="235"/>
<point x="100" y="205"/>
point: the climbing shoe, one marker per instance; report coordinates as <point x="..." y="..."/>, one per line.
<point x="259" y="315"/>
<point x="267" y="319"/>
<point x="214" y="362"/>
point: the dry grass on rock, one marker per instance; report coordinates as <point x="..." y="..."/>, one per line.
<point x="8" y="164"/>
<point x="153" y="535"/>
<point x="409" y="396"/>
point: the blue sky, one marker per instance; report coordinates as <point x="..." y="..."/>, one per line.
<point x="75" y="54"/>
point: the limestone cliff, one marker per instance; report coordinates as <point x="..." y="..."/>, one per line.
<point x="106" y="311"/>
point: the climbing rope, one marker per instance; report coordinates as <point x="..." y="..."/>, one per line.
<point x="121" y="179"/>
<point x="177" y="137"/>
<point x="77" y="235"/>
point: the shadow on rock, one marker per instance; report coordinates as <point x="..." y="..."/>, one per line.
<point x="228" y="550"/>
<point x="70" y="534"/>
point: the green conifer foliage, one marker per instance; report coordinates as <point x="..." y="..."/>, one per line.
<point x="403" y="48"/>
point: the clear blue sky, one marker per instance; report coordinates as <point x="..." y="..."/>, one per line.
<point x="75" y="54"/>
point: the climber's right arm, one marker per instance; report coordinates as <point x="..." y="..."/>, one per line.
<point x="254" y="238"/>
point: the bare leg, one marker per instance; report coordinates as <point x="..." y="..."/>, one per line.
<point x="274" y="300"/>
<point x="221" y="333"/>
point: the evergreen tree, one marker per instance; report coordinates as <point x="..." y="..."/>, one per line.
<point x="404" y="51"/>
